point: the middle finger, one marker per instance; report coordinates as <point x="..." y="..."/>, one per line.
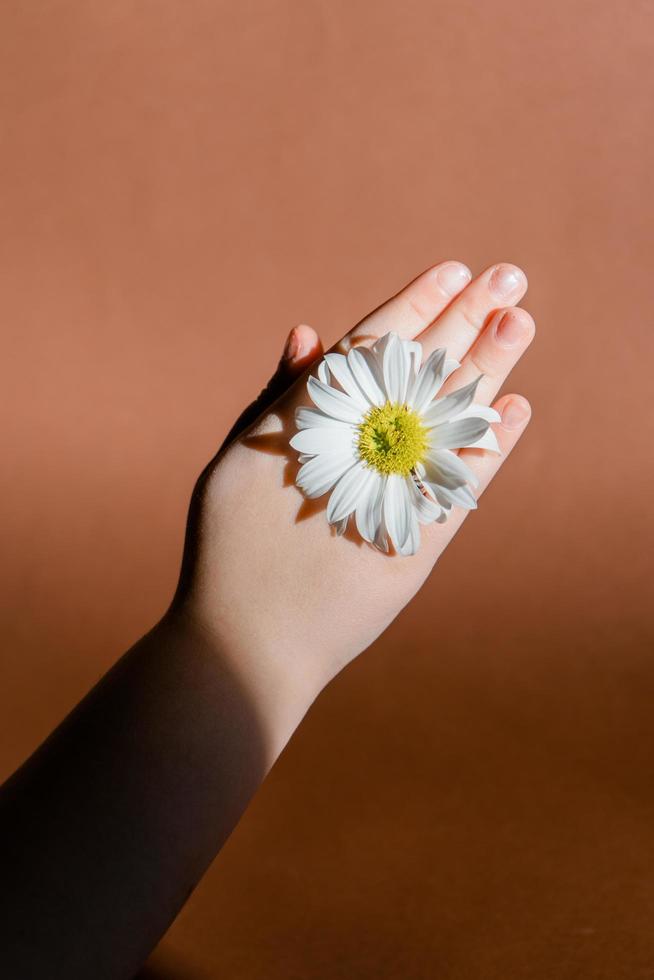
<point x="460" y="324"/>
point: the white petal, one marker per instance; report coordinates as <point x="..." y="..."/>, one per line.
<point x="381" y="539"/>
<point x="333" y="402"/>
<point x="412" y="542"/>
<point x="451" y="405"/>
<point x="443" y="502"/>
<point x="427" y="508"/>
<point x="368" y="514"/>
<point x="414" y="350"/>
<point x="339" y="367"/>
<point x="428" y="381"/>
<point x="397" y="510"/>
<point x="323" y="373"/>
<point x="455" y="435"/>
<point x="461" y="496"/>
<point x="447" y="468"/>
<point x="341" y="526"/>
<point x="313" y="418"/>
<point x="320" y="473"/>
<point x="487" y="441"/>
<point x="379" y="347"/>
<point x="451" y="365"/>
<point x="396" y="369"/>
<point x="365" y="368"/>
<point x="325" y="439"/>
<point x="346" y="493"/>
<point x="477" y="411"/>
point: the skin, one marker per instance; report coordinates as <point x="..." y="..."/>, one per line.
<point x="107" y="828"/>
<point x="349" y="592"/>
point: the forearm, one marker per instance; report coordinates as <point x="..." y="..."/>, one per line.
<point x="110" y="824"/>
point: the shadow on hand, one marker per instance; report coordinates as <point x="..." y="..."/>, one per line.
<point x="278" y="444"/>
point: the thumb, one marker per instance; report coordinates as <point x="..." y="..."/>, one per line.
<point x="302" y="348"/>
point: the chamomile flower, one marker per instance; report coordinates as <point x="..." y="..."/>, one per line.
<point x="383" y="444"/>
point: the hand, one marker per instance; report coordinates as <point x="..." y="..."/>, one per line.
<point x="263" y="572"/>
<point x="176" y="737"/>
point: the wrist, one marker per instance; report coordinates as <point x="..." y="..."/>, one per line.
<point x="278" y="683"/>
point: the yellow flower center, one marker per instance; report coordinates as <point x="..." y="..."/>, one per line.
<point x="392" y="439"/>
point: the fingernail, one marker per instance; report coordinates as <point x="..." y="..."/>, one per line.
<point x="453" y="277"/>
<point x="292" y="348"/>
<point x="511" y="329"/>
<point x="515" y="413"/>
<point x="506" y="279"/>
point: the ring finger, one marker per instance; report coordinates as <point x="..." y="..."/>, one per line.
<point x="414" y="308"/>
<point x="494" y="354"/>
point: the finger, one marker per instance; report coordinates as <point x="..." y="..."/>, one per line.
<point x="495" y="353"/>
<point x="460" y="324"/>
<point x="414" y="308"/>
<point x="302" y="347"/>
<point x="515" y="413"/>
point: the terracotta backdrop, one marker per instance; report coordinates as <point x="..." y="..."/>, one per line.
<point x="181" y="182"/>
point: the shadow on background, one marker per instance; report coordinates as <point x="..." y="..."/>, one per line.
<point x="169" y="971"/>
<point x="132" y="795"/>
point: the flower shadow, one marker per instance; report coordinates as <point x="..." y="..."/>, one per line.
<point x="277" y="444"/>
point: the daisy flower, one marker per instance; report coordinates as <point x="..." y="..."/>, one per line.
<point x="385" y="445"/>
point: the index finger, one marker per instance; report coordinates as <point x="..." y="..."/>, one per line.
<point x="414" y="308"/>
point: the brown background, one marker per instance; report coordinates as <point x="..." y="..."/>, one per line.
<point x="181" y="182"/>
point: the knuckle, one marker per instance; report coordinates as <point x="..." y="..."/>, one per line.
<point x="416" y="309"/>
<point x="482" y="363"/>
<point x="471" y="314"/>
